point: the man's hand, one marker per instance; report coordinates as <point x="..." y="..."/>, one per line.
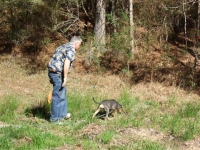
<point x="64" y="82"/>
<point x="66" y="70"/>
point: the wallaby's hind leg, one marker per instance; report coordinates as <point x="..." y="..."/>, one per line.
<point x="96" y="112"/>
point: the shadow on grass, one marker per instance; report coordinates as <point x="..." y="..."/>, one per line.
<point x="42" y="111"/>
<point x="102" y="115"/>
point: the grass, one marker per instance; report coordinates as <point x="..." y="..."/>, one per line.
<point x="30" y="134"/>
<point x="8" y="107"/>
<point x="24" y="115"/>
<point x="105" y="137"/>
<point x="24" y="137"/>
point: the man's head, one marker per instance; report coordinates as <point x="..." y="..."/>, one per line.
<point x="76" y="41"/>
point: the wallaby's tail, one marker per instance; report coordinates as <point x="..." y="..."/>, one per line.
<point x="49" y="98"/>
<point x="94" y="100"/>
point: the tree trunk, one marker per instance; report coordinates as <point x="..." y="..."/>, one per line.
<point x="185" y="23"/>
<point x="131" y="28"/>
<point x="198" y="36"/>
<point x="99" y="29"/>
<point x="198" y="23"/>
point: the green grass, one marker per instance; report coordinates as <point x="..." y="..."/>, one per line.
<point x="149" y="145"/>
<point x="106" y="136"/>
<point x="184" y="123"/>
<point x="28" y="137"/>
<point x="141" y="145"/>
<point x="30" y="130"/>
<point x="189" y="110"/>
<point x="8" y="107"/>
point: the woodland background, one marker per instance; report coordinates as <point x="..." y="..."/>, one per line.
<point x="143" y="53"/>
<point x="165" y="36"/>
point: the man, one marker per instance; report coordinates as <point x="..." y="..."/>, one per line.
<point x="59" y="66"/>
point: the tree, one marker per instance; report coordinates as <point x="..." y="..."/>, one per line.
<point x="131" y="27"/>
<point x="99" y="29"/>
<point x="198" y="19"/>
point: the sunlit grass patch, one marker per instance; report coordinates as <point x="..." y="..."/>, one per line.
<point x="171" y="100"/>
<point x="149" y="145"/>
<point x="89" y="144"/>
<point x="8" y="108"/>
<point x="106" y="136"/>
<point x="139" y="144"/>
<point x="191" y="129"/>
<point x="190" y="110"/>
<point x="80" y="106"/>
<point x="26" y="115"/>
<point x="184" y="124"/>
<point x="25" y="137"/>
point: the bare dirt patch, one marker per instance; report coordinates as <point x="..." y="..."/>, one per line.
<point x="24" y="140"/>
<point x="154" y="136"/>
<point x="92" y="130"/>
<point x="3" y="124"/>
<point x="69" y="147"/>
<point x="191" y="145"/>
<point x="126" y="136"/>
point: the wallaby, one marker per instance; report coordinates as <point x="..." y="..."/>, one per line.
<point x="109" y="106"/>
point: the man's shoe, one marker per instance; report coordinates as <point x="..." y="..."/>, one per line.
<point x="68" y="116"/>
<point x="58" y="122"/>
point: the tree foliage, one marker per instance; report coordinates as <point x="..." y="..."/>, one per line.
<point x="33" y="24"/>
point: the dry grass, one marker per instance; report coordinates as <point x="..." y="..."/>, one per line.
<point x="161" y="93"/>
<point x="35" y="87"/>
<point x="16" y="81"/>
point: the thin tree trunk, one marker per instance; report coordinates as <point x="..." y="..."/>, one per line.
<point x="77" y="6"/>
<point x="114" y="17"/>
<point x="198" y="36"/>
<point x="131" y="28"/>
<point x="185" y="24"/>
<point x="198" y="23"/>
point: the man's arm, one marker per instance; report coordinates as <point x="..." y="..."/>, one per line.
<point x="66" y="71"/>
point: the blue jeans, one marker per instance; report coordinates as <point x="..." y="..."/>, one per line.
<point x="59" y="108"/>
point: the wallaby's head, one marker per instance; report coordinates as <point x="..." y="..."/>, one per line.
<point x="120" y="108"/>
